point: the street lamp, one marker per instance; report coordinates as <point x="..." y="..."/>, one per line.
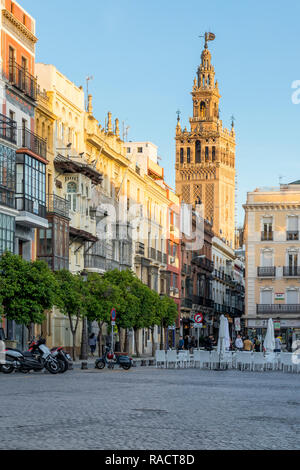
<point x="84" y="341"/>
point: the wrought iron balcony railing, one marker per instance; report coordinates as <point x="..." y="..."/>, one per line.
<point x="140" y="248"/>
<point x="33" y="142"/>
<point x="278" y="308"/>
<point x="291" y="271"/>
<point x="8" y="129"/>
<point x="57" y="205"/>
<point x="22" y="79"/>
<point x="204" y="263"/>
<point x="292" y="235"/>
<point x="269" y="271"/>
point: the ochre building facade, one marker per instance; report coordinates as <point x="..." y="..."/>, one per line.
<point x="205" y="155"/>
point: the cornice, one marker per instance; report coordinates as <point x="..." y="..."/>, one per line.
<point x="20" y="26"/>
<point x="263" y="206"/>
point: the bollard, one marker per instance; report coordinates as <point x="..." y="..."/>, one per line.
<point x="143" y="363"/>
<point x="151" y="362"/>
<point x="84" y="365"/>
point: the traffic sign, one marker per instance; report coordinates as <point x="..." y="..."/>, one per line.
<point x="198" y="318"/>
<point x="113" y="314"/>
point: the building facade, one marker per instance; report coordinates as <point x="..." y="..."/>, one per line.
<point x="205" y="155"/>
<point x="272" y="243"/>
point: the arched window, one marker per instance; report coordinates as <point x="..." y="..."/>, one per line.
<point x="188" y="155"/>
<point x="181" y="155"/>
<point x="198" y="151"/>
<point x="202" y="110"/>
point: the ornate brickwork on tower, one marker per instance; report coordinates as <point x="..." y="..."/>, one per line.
<point x="205" y="155"/>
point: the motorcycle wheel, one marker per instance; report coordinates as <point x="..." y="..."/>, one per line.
<point x="126" y="366"/>
<point x="63" y="367"/>
<point x="100" y="364"/>
<point x="52" y="367"/>
<point x="7" y="369"/>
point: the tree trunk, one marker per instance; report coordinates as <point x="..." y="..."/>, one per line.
<point x="126" y="342"/>
<point x="74" y="345"/>
<point x="153" y="342"/>
<point x="136" y="341"/>
<point x="162" y="337"/>
<point x="100" y="325"/>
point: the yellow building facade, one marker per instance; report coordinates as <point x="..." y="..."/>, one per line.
<point x="205" y="155"/>
<point x="272" y="259"/>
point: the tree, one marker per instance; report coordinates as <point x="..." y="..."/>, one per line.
<point x="27" y="290"/>
<point x="71" y="299"/>
<point x="146" y="315"/>
<point x="168" y="314"/>
<point x="102" y="297"/>
<point x="128" y="302"/>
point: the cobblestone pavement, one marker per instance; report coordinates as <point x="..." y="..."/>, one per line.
<point x="148" y="408"/>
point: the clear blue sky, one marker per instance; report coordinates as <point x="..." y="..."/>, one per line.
<point x="144" y="54"/>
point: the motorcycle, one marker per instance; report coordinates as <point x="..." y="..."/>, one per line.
<point x="64" y="359"/>
<point x="110" y="359"/>
<point x="36" y="358"/>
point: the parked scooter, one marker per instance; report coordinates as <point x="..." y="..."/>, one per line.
<point x="64" y="359"/>
<point x="37" y="358"/>
<point x="110" y="359"/>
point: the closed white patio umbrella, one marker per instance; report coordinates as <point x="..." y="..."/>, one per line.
<point x="269" y="341"/>
<point x="222" y="335"/>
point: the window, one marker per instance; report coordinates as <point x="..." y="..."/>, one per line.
<point x="24" y="19"/>
<point x="202" y="110"/>
<point x="266" y="297"/>
<point x="206" y="154"/>
<point x="12" y="7"/>
<point x="188" y="155"/>
<point x="292" y="228"/>
<point x="72" y="195"/>
<point x="128" y="149"/>
<point x="267" y="233"/>
<point x="140" y="149"/>
<point x="198" y="151"/>
<point x="7" y="233"/>
<point x="181" y="155"/>
<point x="31" y="185"/>
<point x="213" y="154"/>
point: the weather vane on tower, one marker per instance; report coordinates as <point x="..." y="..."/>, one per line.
<point x="208" y="37"/>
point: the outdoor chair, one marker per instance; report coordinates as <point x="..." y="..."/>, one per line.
<point x="272" y="360"/>
<point x="259" y="361"/>
<point x="214" y="359"/>
<point x="286" y="362"/>
<point x="243" y="359"/>
<point x="160" y="357"/>
<point x="172" y="358"/>
<point x="183" y="358"/>
<point x="226" y="360"/>
<point x="204" y="358"/>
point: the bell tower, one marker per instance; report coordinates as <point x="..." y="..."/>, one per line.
<point x="205" y="155"/>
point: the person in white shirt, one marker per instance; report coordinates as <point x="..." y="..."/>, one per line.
<point x="239" y="343"/>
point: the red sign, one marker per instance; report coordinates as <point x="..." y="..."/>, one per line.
<point x="198" y="317"/>
<point x="113" y="314"/>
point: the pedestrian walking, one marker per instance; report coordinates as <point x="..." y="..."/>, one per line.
<point x="239" y="343"/>
<point x="248" y="345"/>
<point x="181" y="343"/>
<point x="277" y="344"/>
<point x="256" y="344"/>
<point x="93" y="343"/>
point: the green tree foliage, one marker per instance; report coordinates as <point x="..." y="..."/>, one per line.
<point x="71" y="299"/>
<point x="27" y="289"/>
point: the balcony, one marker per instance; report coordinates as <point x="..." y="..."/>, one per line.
<point x="140" y="249"/>
<point x="31" y="212"/>
<point x="31" y="141"/>
<point x="8" y="129"/>
<point x="291" y="271"/>
<point x="165" y="258"/>
<point x="186" y="303"/>
<point x="204" y="263"/>
<point x="19" y="77"/>
<point x="159" y="256"/>
<point x="292" y="235"/>
<point x="204" y="301"/>
<point x="95" y="263"/>
<point x="269" y="271"/>
<point x="278" y="308"/>
<point x="57" y="206"/>
<point x="266" y="236"/>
